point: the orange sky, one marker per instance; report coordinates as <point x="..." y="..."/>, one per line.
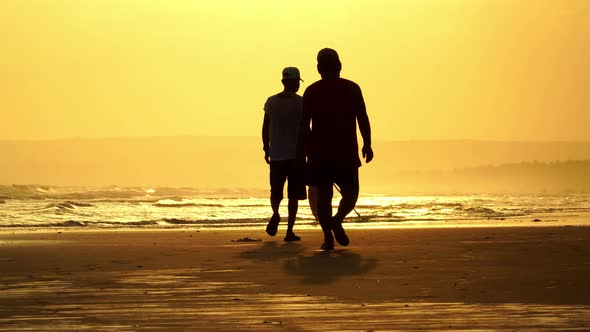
<point x="429" y="69"/>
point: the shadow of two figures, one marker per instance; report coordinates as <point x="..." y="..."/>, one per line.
<point x="316" y="268"/>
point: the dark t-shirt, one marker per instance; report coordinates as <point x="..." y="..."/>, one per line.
<point x="333" y="105"/>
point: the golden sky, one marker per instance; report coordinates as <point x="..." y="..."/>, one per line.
<point x="429" y="69"/>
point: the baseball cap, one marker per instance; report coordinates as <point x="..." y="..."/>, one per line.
<point x="291" y="73"/>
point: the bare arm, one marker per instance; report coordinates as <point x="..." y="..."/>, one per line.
<point x="266" y="138"/>
<point x="365" y="128"/>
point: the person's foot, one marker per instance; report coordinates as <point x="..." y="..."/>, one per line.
<point x="273" y="225"/>
<point x="339" y="234"/>
<point x="291" y="237"/>
<point x="327" y="245"/>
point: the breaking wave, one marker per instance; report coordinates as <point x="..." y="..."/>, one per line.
<point x="66" y="206"/>
<point x="184" y="203"/>
<point x="118" y="193"/>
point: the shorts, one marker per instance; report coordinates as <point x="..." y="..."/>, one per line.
<point x="294" y="172"/>
<point x="347" y="179"/>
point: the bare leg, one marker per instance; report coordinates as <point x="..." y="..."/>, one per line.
<point x="274" y="204"/>
<point x="293" y="206"/>
<point x="350" y="193"/>
<point x="273" y="224"/>
<point x="346" y="205"/>
<point x="312" y="195"/>
<point x="324" y="204"/>
<point x="277" y="183"/>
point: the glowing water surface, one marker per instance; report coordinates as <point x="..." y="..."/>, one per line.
<point x="30" y="206"/>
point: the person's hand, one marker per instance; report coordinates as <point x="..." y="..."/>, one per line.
<point x="267" y="156"/>
<point x="367" y="153"/>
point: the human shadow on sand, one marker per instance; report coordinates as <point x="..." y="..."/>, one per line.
<point x="326" y="266"/>
<point x="271" y="251"/>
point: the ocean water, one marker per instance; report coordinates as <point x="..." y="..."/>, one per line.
<point x="31" y="206"/>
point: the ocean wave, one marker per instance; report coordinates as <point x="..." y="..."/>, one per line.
<point x="177" y="202"/>
<point x="482" y="210"/>
<point x="557" y="210"/>
<point x="70" y="223"/>
<point x="129" y="223"/>
<point x="174" y="205"/>
<point x="187" y="204"/>
<point x="176" y="210"/>
<point x="116" y="224"/>
<point x="164" y="223"/>
<point x="114" y="192"/>
<point x="67" y="205"/>
<point x="209" y="222"/>
<point x="368" y="218"/>
<point x="79" y="204"/>
<point x="175" y="221"/>
<point x="82" y="223"/>
<point x="126" y="200"/>
<point x="68" y="193"/>
<point x="429" y="205"/>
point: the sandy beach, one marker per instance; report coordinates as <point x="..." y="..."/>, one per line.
<point x="452" y="279"/>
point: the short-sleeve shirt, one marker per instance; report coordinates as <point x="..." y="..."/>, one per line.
<point x="333" y="105"/>
<point x="284" y="111"/>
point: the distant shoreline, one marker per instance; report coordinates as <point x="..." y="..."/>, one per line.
<point x="581" y="222"/>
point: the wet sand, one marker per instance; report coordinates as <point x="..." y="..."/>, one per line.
<point x="477" y="279"/>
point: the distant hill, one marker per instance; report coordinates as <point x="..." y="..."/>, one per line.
<point x="238" y="162"/>
<point x="447" y="155"/>
<point x="571" y="177"/>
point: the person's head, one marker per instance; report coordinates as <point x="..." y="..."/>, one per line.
<point x="329" y="63"/>
<point x="291" y="79"/>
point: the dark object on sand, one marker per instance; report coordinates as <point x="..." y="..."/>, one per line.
<point x="536" y="220"/>
<point x="246" y="239"/>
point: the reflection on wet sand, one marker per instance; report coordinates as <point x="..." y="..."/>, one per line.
<point x="182" y="299"/>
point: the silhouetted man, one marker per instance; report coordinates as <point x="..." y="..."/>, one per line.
<point x="282" y="116"/>
<point x="334" y="105"/>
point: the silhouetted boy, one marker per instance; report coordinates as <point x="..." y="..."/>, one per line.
<point x="282" y="115"/>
